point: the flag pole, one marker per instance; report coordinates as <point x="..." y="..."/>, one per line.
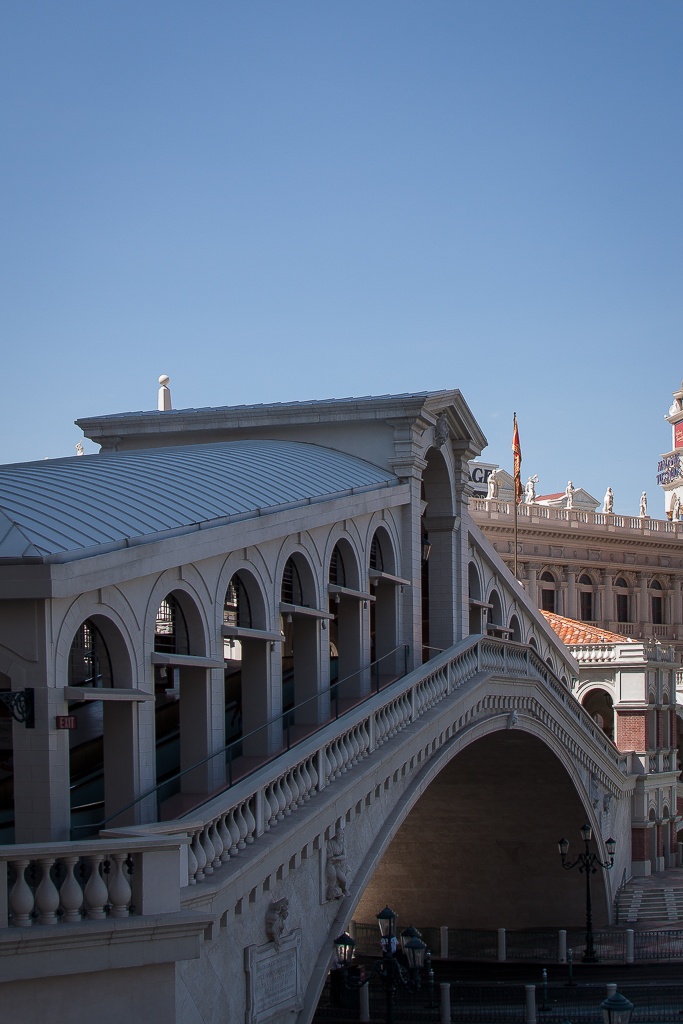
<point x="515" y="473"/>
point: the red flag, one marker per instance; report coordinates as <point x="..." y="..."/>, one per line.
<point x="516" y="460"/>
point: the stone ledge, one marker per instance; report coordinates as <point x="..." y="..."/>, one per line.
<point x="44" y="951"/>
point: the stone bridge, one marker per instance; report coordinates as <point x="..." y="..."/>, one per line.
<point x="443" y="794"/>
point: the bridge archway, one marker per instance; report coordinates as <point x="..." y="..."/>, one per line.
<point x="479" y="847"/>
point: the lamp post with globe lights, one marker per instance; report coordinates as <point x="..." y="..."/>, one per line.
<point x="392" y="974"/>
<point x="588" y="863"/>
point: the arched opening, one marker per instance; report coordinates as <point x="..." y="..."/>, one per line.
<point x="477" y="605"/>
<point x="438" y="558"/>
<point x="586" y="598"/>
<point x="600" y="706"/>
<point x="6" y="767"/>
<point x="515" y="630"/>
<point x="301" y="622"/>
<point x="533" y="642"/>
<point x="494" y="617"/>
<point x="548" y="589"/>
<point x="182" y="704"/>
<point x="488" y="828"/>
<point x="103" y="752"/>
<point x="246" y="654"/>
<point x="347" y="606"/>
<point x="385" y="657"/>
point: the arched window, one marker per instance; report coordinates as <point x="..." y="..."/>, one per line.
<point x="89" y="661"/>
<point x="586" y="598"/>
<point x="621" y="594"/>
<point x="337" y="571"/>
<point x="547" y="592"/>
<point x="657" y="603"/>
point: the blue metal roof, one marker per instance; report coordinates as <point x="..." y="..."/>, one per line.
<point x="78" y="504"/>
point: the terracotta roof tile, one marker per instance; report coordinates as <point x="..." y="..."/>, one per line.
<point x="572" y="632"/>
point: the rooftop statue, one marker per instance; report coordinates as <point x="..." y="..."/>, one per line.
<point x="608" y="503"/>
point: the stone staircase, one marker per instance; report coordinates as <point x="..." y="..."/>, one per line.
<point x="655" y="899"/>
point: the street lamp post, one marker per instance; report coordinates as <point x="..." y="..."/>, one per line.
<point x="388" y="969"/>
<point x="587" y="862"/>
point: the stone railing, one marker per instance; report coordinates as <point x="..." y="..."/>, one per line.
<point x="66" y="883"/>
<point x="651" y="762"/>
<point x="603" y="520"/>
<point x="594" y="654"/>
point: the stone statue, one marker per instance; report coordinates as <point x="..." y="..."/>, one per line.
<point x="675" y="507"/>
<point x="335" y="869"/>
<point x="530" y="490"/>
<point x="492" y="485"/>
<point x="608" y="503"/>
<point x="441" y="431"/>
<point x="80" y="450"/>
<point x="569" y="495"/>
<point x="643" y="505"/>
<point x="513" y="719"/>
<point x="275" y="920"/>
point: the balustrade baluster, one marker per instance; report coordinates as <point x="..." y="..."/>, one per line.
<point x="234" y="831"/>
<point x="241" y="823"/>
<point x="209" y="851"/>
<point x="47" y="896"/>
<point x="200" y="855"/>
<point x="226" y="839"/>
<point x="70" y="894"/>
<point x="281" y="802"/>
<point x="217" y="845"/>
<point x="95" y="892"/>
<point x="307" y="781"/>
<point x="119" y="888"/>
<point x="21" y="897"/>
<point x="250" y="821"/>
<point x="287" y="793"/>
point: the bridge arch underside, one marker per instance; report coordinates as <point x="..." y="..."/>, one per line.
<point x="479" y="848"/>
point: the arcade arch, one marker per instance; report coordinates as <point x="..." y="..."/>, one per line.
<point x="599" y="704"/>
<point x="486" y="831"/>
<point x="385" y="584"/>
<point x="438" y="555"/>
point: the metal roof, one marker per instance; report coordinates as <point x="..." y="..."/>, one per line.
<point x="84" y="503"/>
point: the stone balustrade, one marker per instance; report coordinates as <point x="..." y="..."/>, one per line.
<point x="239" y="817"/>
<point x="66" y="883"/>
<point x="576" y="515"/>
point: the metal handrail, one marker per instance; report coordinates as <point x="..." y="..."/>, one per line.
<point x="286" y="718"/>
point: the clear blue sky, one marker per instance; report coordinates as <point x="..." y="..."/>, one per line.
<point x="274" y="200"/>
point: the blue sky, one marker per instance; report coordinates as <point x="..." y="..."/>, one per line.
<point x="272" y="201"/>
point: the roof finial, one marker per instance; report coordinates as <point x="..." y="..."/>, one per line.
<point x="164" y="403"/>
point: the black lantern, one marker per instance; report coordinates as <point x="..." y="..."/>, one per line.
<point x="616" y="1009"/>
<point x="386" y="919"/>
<point x="415" y="950"/>
<point x="344" y="946"/>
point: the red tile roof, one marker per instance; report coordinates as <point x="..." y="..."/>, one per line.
<point x="551" y="497"/>
<point x="572" y="632"/>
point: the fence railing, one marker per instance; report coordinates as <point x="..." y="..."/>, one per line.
<point x="546" y="945"/>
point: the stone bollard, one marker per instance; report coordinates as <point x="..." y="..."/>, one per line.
<point x="562" y="946"/>
<point x="630" y="946"/>
<point x="364" y="1004"/>
<point x="443" y="937"/>
<point x="530" y="1016"/>
<point x="501" y="944"/>
<point x="445" y="1016"/>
